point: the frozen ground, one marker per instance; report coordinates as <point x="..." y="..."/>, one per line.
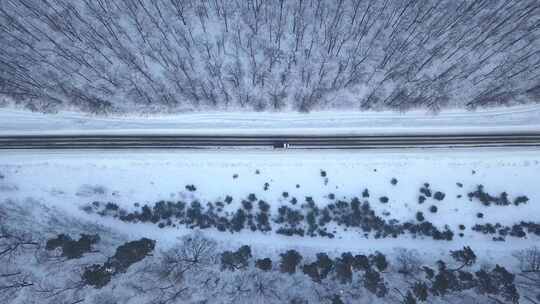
<point x="519" y="118"/>
<point x="68" y="181"/>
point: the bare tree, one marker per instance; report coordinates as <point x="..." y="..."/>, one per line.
<point x="529" y="259"/>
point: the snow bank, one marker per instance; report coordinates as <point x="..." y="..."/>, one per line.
<point x="512" y="119"/>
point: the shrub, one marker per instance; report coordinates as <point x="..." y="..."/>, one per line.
<point x="433" y="209"/>
<point x="365" y="193"/>
<point x="361" y="262"/>
<point x="96" y="275"/>
<point x="247" y="205"/>
<point x="379" y="261"/>
<point x="238" y="221"/>
<point x="409" y="298"/>
<point x="264" y="264"/>
<point x="236" y="260"/>
<point x="497" y="282"/>
<point x="289" y="261"/>
<point x="420" y="216"/>
<point x="126" y="255"/>
<point x="425" y="190"/>
<point x="383" y="199"/>
<point x="421" y="199"/>
<point x="439" y="196"/>
<point x="324" y="264"/>
<point x="420" y="290"/>
<point x="520" y="200"/>
<point x="73" y="249"/>
<point x="394" y="181"/>
<point x="311" y="271"/>
<point x="130" y="253"/>
<point x="464" y="256"/>
<point x="343" y="270"/>
<point x="374" y="283"/>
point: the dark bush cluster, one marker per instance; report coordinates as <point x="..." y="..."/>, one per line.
<point x="340" y="269"/>
<point x="425" y="190"/>
<point x="72" y="249"/>
<point x="306" y="219"/>
<point x="191" y="188"/>
<point x="501" y="200"/>
<point x="439" y="196"/>
<point x="235" y="260"/>
<point x="126" y="255"/>
<point x="519" y="230"/>
<point x="497" y="283"/>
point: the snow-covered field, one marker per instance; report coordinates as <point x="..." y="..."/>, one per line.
<point x="518" y="118"/>
<point x="68" y="181"/>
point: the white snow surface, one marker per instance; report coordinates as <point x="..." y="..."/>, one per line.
<point x="509" y="119"/>
<point x="68" y="181"/>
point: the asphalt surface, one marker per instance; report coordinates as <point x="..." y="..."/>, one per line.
<point x="264" y="141"/>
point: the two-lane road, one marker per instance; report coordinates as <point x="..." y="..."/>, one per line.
<point x="268" y="141"/>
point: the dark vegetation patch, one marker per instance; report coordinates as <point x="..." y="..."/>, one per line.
<point x="302" y="219"/>
<point x="501" y="200"/>
<point x="370" y="271"/>
<point x="235" y="260"/>
<point x="72" y="249"/>
<point x="439" y="196"/>
<point x="365" y="193"/>
<point x="393" y="181"/>
<point x="191" y="188"/>
<point x="305" y="219"/>
<point x="425" y="190"/>
<point x="500" y="232"/>
<point x="99" y="275"/>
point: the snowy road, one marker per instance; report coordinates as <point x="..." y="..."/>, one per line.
<point x="269" y="141"/>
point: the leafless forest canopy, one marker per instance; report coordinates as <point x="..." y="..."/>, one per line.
<point x="106" y="56"/>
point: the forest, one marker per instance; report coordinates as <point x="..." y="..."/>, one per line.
<point x="171" y="56"/>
